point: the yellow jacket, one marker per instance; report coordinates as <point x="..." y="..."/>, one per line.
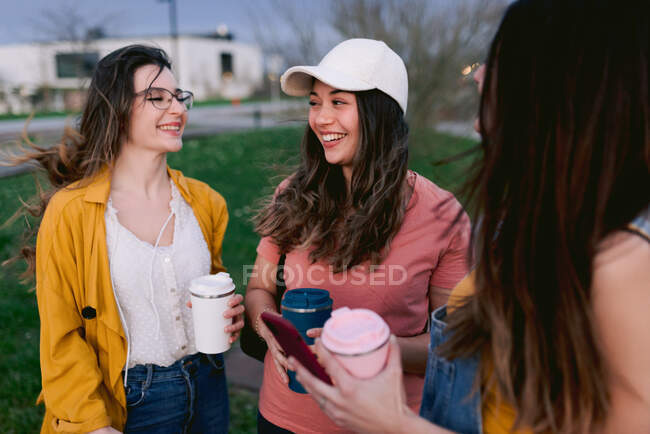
<point x="82" y="358"/>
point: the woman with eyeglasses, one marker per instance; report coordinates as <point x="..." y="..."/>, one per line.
<point x="121" y="237"/>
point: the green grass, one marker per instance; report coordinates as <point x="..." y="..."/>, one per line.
<point x="20" y="379"/>
<point x="243" y="167"/>
<point x="243" y="411"/>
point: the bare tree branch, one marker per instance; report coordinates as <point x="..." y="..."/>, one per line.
<point x="300" y="33"/>
<point x="434" y="38"/>
<point x="69" y="21"/>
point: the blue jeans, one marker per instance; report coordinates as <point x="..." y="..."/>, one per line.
<point x="190" y="396"/>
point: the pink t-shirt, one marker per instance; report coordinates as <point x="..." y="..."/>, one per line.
<point x="424" y="253"/>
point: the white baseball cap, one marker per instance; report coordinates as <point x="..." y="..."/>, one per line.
<point x="353" y="65"/>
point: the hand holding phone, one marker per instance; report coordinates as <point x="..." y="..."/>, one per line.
<point x="274" y="349"/>
<point x="293" y="345"/>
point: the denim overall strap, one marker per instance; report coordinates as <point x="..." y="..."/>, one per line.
<point x="449" y="399"/>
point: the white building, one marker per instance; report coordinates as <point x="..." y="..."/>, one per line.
<point x="50" y="75"/>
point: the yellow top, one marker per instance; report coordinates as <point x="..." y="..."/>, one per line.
<point x="498" y="417"/>
<point x="82" y="356"/>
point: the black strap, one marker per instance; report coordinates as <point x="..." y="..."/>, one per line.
<point x="638" y="232"/>
<point x="280" y="284"/>
<point x="251" y="343"/>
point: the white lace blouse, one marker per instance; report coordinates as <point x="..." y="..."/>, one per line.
<point x="151" y="285"/>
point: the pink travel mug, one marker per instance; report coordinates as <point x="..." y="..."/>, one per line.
<point x="358" y="338"/>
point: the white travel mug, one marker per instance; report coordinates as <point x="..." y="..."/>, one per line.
<point x="210" y="295"/>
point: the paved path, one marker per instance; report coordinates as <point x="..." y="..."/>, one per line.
<point x="459" y="129"/>
<point x="243" y="371"/>
<point x="242" y="114"/>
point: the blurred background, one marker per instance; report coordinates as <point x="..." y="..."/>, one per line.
<point x="242" y="135"/>
<point x="236" y="50"/>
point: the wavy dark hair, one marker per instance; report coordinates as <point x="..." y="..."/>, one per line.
<point x="104" y="123"/>
<point x="565" y="120"/>
<point x="314" y="209"/>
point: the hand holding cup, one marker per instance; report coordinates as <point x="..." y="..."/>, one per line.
<point x="315" y="332"/>
<point x="214" y="307"/>
<point x="236" y="312"/>
<point x="377" y="404"/>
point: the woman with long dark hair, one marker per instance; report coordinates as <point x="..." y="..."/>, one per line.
<point x="552" y="328"/>
<point x="354" y="220"/>
<point x="121" y="237"/>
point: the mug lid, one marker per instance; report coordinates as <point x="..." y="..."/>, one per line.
<point x="306" y="298"/>
<point x="212" y="284"/>
<point x="354" y="331"/>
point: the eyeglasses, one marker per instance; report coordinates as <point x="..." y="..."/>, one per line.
<point x="162" y="98"/>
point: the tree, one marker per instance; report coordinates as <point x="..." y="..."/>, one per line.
<point x="300" y="31"/>
<point x="69" y="21"/>
<point x="435" y="38"/>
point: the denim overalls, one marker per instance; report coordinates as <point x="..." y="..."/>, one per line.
<point x="449" y="399"/>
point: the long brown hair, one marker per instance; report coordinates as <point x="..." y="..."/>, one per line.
<point x="565" y="120"/>
<point x="82" y="153"/>
<point x="314" y="210"/>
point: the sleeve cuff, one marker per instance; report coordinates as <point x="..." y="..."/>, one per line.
<point x="64" y="426"/>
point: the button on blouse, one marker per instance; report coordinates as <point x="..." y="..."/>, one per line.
<point x="159" y="323"/>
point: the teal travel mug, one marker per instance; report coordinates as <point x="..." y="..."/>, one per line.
<point x="306" y="308"/>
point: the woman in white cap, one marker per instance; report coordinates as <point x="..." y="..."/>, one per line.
<point x="354" y="220"/>
<point x="550" y="333"/>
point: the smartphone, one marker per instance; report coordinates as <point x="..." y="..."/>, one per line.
<point x="293" y="345"/>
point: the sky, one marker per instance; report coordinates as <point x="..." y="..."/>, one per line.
<point x="130" y="17"/>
